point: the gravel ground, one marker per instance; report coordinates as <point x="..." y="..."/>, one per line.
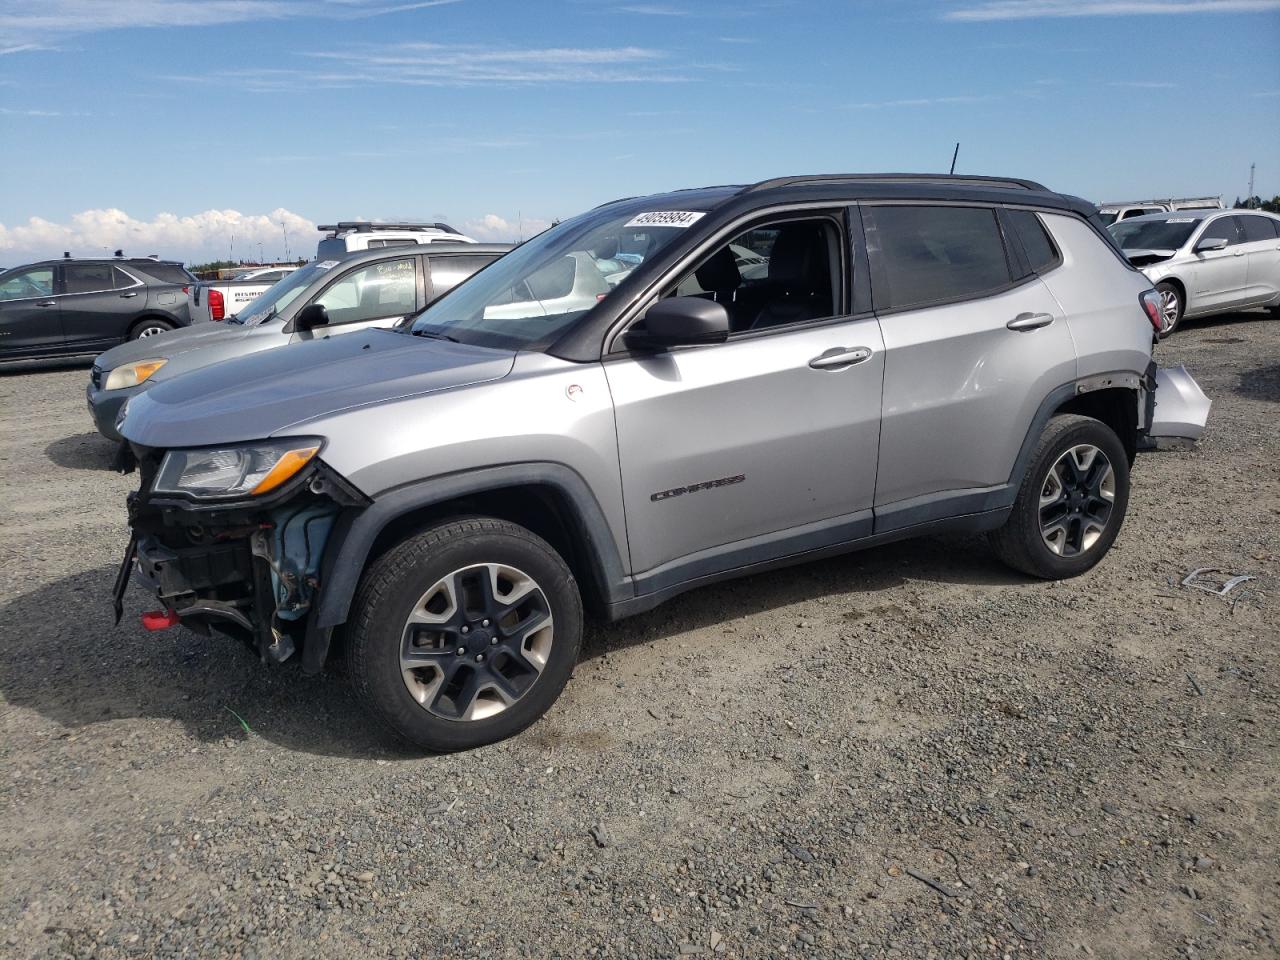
<point x="908" y="752"/>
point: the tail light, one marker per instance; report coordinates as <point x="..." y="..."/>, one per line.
<point x="1150" y="301"/>
<point x="217" y="306"/>
<point x="186" y="290"/>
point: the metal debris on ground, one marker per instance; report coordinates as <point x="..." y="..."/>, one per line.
<point x="1195" y="582"/>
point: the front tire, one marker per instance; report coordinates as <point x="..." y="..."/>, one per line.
<point x="1172" y="306"/>
<point x="148" y="328"/>
<point x="464" y="634"/>
<point x="1071" y="502"/>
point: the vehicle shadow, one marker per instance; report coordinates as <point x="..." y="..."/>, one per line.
<point x="1260" y="383"/>
<point x="52" y="365"/>
<point x="65" y="660"/>
<point x="84" y="451"/>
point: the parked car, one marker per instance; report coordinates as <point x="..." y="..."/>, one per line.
<point x="348" y="236"/>
<point x="922" y="354"/>
<point x="220" y="299"/>
<point x="266" y="274"/>
<point x="325" y="298"/>
<point x="1115" y="211"/>
<point x="60" y="308"/>
<point x="1205" y="262"/>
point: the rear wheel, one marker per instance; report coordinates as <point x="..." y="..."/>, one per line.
<point x="149" y="328"/>
<point x="1071" y="503"/>
<point x="464" y="634"/>
<point x="1171" y="308"/>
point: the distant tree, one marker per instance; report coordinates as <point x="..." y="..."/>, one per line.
<point x="213" y="266"/>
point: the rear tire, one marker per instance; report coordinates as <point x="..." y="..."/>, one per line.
<point x="1071" y="502"/>
<point x="1172" y="306"/>
<point x="148" y="328"/>
<point x="464" y="634"/>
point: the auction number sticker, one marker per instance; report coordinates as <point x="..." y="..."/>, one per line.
<point x="1182" y="220"/>
<point x="665" y="218"/>
<point x="326" y="264"/>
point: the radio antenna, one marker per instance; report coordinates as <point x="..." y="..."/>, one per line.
<point x="955" y="154"/>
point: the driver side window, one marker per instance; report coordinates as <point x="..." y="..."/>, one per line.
<point x="36" y="282"/>
<point x="385" y="289"/>
<point x="774" y="275"/>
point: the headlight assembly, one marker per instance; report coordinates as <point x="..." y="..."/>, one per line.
<point x="132" y="374"/>
<point x="242" y="470"/>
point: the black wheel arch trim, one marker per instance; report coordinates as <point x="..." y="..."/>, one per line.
<point x="354" y="534"/>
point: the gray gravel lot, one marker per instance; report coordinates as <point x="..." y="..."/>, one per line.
<point x="908" y="752"/>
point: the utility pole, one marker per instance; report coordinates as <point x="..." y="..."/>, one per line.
<point x="1249" y="202"/>
<point x="285" y="231"/>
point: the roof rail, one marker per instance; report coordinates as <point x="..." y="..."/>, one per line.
<point x="1008" y="182"/>
<point x="368" y="226"/>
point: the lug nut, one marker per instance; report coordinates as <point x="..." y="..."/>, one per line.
<point x="479" y="658"/>
<point x="484" y="623"/>
<point x="466" y="629"/>
<point x="461" y="651"/>
<point x="493" y="641"/>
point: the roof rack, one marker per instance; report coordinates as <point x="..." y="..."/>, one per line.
<point x="369" y="226"/>
<point x="1007" y="182"/>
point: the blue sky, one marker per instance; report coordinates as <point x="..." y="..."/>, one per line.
<point x="137" y="118"/>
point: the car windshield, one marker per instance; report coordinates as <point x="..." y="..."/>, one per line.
<point x="281" y="293"/>
<point x="1165" y="234"/>
<point x="538" y="290"/>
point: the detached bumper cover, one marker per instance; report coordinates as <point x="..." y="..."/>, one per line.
<point x="1181" y="407"/>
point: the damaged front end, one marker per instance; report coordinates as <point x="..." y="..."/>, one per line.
<point x="233" y="540"/>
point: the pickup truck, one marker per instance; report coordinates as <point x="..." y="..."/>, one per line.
<point x="219" y="299"/>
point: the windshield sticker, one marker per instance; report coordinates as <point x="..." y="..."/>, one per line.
<point x="326" y="264"/>
<point x="1182" y="220"/>
<point x="665" y="218"/>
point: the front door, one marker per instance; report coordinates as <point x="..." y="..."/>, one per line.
<point x="29" y="314"/>
<point x="1218" y="277"/>
<point x="374" y="294"/>
<point x="764" y="445"/>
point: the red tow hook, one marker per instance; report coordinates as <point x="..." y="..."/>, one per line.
<point x="159" y="620"/>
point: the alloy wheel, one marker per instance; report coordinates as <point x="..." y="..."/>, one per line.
<point x="476" y="642"/>
<point x="1169" y="307"/>
<point x="1076" y="500"/>
<point x="150" y="332"/>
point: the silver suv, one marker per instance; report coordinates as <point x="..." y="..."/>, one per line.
<point x="911" y="355"/>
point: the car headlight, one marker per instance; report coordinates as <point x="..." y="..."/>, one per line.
<point x="245" y="469"/>
<point x="132" y="374"/>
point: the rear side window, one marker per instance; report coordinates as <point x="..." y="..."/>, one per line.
<point x="922" y="255"/>
<point x="1041" y="254"/>
<point x="392" y="243"/>
<point x="1254" y="228"/>
<point x="168" y="273"/>
<point x="87" y="277"/>
<point x="448" y="272"/>
<point x="122" y="280"/>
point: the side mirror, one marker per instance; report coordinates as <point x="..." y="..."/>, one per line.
<point x="677" y="321"/>
<point x="311" y="316"/>
<point x="1211" y="243"/>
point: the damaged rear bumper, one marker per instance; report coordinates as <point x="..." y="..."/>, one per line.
<point x="1178" y="410"/>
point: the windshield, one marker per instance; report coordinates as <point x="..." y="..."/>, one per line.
<point x="538" y="290"/>
<point x="1167" y="234"/>
<point x="281" y="293"/>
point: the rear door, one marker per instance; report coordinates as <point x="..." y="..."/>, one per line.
<point x="377" y="294"/>
<point x="973" y="342"/>
<point x="29" y="313"/>
<point x="1218" y="277"/>
<point x="1261" y="245"/>
<point x="99" y="300"/>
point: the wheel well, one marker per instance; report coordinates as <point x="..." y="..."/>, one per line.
<point x="540" y="508"/>
<point x="150" y="316"/>
<point x="1117" y="407"/>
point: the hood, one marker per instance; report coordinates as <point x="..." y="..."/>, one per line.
<point x="265" y="393"/>
<point x="171" y="344"/>
<point x="1144" y="258"/>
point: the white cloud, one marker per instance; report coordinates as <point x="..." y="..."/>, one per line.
<point x="200" y="237"/>
<point x="1036" y="9"/>
<point x="25" y="25"/>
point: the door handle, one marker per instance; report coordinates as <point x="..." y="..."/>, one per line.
<point x="837" y="358"/>
<point x="1239" y="253"/>
<point x="126" y="296"/>
<point x="47" y="303"/>
<point x="1030" y="321"/>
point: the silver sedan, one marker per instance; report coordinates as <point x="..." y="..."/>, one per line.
<point x="1205" y="262"/>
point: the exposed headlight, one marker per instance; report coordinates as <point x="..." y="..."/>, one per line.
<point x="245" y="469"/>
<point x="132" y="374"/>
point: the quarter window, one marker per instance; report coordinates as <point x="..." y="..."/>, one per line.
<point x="121" y="280"/>
<point x="375" y="291"/>
<point x="36" y="282"/>
<point x="88" y="277"/>
<point x="922" y="255"/>
<point x="1040" y="251"/>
